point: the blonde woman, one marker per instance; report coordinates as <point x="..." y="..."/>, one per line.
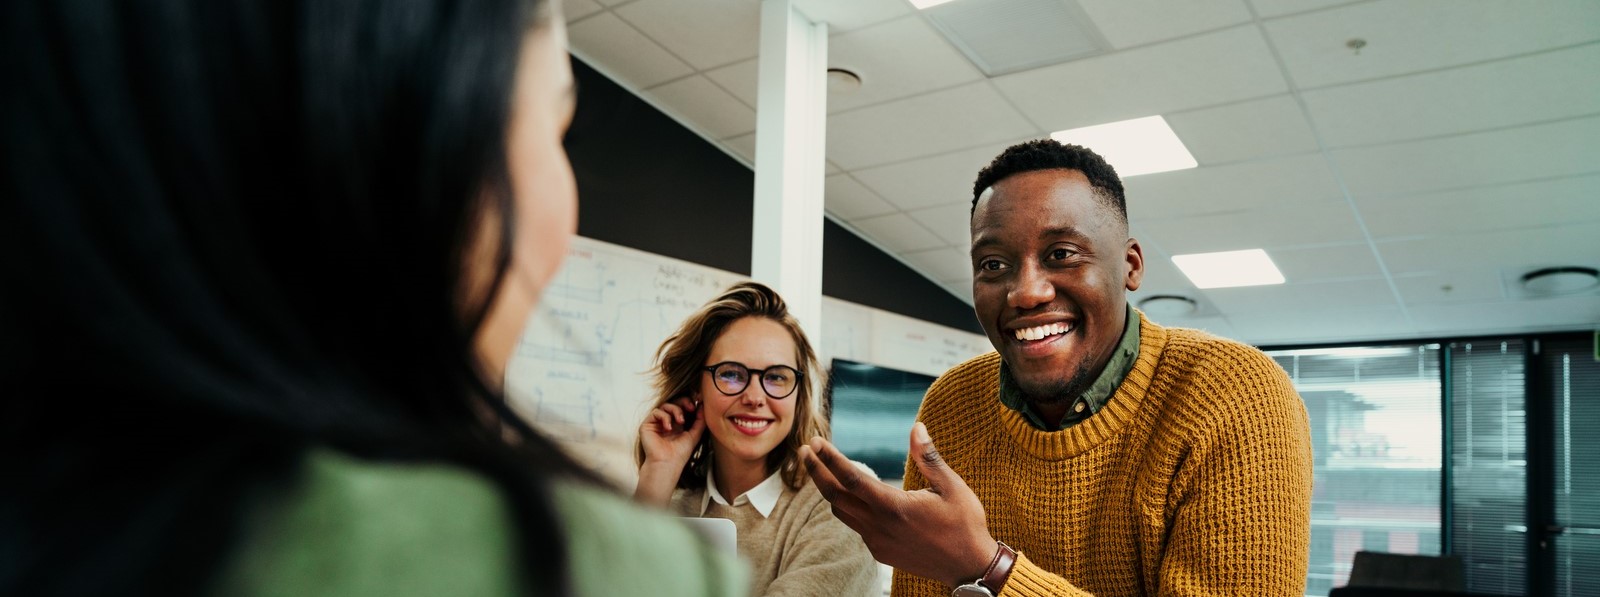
<point x="734" y="403"/>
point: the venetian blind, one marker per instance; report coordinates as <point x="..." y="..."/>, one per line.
<point x="1572" y="377"/>
<point x="1488" y="464"/>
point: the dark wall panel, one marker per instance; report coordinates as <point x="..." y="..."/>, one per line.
<point x="648" y="183"/>
<point x="856" y="271"/>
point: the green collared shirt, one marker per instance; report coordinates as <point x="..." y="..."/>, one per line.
<point x="1092" y="399"/>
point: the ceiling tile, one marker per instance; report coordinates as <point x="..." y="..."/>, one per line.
<point x="1135" y="22"/>
<point x="704" y="33"/>
<point x="852" y="15"/>
<point x="706" y="107"/>
<point x="577" y="9"/>
<point x="1459" y="319"/>
<point x="1294" y="324"/>
<point x="951" y="222"/>
<point x="935" y="180"/>
<point x="943" y="264"/>
<point x="1274" y="8"/>
<point x="896" y="59"/>
<point x="1415" y="35"/>
<point x="1569" y="200"/>
<point x="962" y="290"/>
<point x="1292" y="225"/>
<point x="1318" y="264"/>
<point x="1451" y="287"/>
<point x="846" y="198"/>
<point x="1239" y="303"/>
<point x="742" y="79"/>
<point x="928" y="124"/>
<point x="831" y="168"/>
<point x="613" y="2"/>
<point x="1523" y="153"/>
<point x="1158" y="79"/>
<point x="1245" y="130"/>
<point x="897" y="232"/>
<point x="1543" y="87"/>
<point x="744" y="146"/>
<point x="621" y="52"/>
<point x="1161" y="276"/>
<point x="1507" y="249"/>
<point x="1231" y="187"/>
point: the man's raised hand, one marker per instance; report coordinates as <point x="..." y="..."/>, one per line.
<point x="939" y="532"/>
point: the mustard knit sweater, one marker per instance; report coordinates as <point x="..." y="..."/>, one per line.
<point x="1194" y="480"/>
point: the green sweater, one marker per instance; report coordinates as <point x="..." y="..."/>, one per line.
<point x="350" y="527"/>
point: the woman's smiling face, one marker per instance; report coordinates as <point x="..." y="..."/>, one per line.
<point x="749" y="425"/>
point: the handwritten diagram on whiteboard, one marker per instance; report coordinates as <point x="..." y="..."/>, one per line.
<point x="581" y="371"/>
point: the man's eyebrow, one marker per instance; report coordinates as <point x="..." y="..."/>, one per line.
<point x="1059" y="231"/>
<point x="984" y="241"/>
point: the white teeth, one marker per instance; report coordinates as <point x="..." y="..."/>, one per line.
<point x="1039" y="332"/>
<point x="751" y="424"/>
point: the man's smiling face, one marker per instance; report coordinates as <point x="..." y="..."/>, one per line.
<point x="1051" y="262"/>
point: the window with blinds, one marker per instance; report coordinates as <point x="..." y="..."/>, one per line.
<point x="1489" y="464"/>
<point x="1572" y="377"/>
<point x="1376" y="433"/>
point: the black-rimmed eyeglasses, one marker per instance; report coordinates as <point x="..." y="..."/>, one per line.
<point x="778" y="381"/>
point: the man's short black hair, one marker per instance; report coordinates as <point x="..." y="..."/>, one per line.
<point x="1048" y="154"/>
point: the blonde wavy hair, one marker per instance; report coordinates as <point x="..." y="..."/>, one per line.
<point x="681" y="359"/>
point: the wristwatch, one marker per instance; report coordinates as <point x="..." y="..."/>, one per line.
<point x="994" y="578"/>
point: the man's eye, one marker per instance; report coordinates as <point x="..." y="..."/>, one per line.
<point x="990" y="265"/>
<point x="1059" y="254"/>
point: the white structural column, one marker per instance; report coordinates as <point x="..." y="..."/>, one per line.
<point x="791" y="117"/>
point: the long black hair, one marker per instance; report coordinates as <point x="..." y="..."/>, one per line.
<point x="232" y="230"/>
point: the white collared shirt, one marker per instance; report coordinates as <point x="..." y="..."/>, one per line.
<point x="763" y="496"/>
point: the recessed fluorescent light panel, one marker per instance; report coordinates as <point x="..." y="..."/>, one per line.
<point x="926" y="4"/>
<point x="1228" y="269"/>
<point x="1139" y="146"/>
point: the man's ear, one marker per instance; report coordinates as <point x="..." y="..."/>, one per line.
<point x="1135" y="257"/>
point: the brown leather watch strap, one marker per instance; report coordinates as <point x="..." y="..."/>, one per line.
<point x="999" y="570"/>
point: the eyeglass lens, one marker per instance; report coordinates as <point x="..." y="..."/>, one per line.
<point x="731" y="378"/>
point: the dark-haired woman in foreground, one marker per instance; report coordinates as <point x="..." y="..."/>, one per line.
<point x="264" y="263"/>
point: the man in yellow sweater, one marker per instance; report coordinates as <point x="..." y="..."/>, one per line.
<point x="1095" y="452"/>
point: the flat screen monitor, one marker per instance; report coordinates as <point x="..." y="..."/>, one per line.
<point x="871" y="410"/>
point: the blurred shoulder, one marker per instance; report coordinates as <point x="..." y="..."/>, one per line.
<point x="615" y="547"/>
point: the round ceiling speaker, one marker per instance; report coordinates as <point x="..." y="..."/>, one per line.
<point x="843" y="82"/>
<point x="1168" y="305"/>
<point x="1560" y="280"/>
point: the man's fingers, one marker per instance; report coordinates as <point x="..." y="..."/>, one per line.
<point x="848" y="476"/>
<point x="846" y="506"/>
<point x="820" y="475"/>
<point x="929" y="462"/>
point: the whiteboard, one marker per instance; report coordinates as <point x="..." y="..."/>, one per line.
<point x="581" y="370"/>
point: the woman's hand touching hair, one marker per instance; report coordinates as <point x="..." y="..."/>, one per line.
<point x="669" y="435"/>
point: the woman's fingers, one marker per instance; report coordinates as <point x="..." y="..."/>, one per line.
<point x="674" y="410"/>
<point x="686" y="403"/>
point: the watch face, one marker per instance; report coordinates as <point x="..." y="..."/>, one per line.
<point x="971" y="590"/>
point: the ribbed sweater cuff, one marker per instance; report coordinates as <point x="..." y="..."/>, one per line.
<point x="1029" y="580"/>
